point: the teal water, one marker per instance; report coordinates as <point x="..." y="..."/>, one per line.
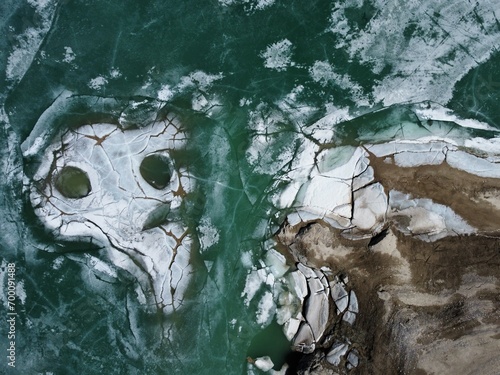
<point x="249" y="79"/>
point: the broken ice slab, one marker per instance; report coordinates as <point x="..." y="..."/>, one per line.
<point x="312" y="290"/>
<point x="352" y="310"/>
<point x="473" y="164"/>
<point x="315" y="286"/>
<point x="418" y="146"/>
<point x="316" y="312"/>
<point x="338" y="350"/>
<point x="409" y="159"/>
<point x="408" y="122"/>
<point x="291" y="327"/>
<point x="294" y="218"/>
<point x="339" y="295"/>
<point x="363" y="179"/>
<point x="304" y="340"/>
<point x="342" y="163"/>
<point x="426" y="111"/>
<point x="306" y="271"/>
<point x="276" y="262"/>
<point x="353" y="303"/>
<point x="413" y="153"/>
<point x="264" y="363"/>
<point x="326" y="196"/>
<point x="370" y="209"/>
<point x="286" y="309"/>
<point x="423" y="218"/>
<point x="299" y="284"/>
<point x="352" y="359"/>
<point x="322" y="278"/>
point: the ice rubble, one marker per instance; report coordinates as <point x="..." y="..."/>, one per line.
<point x="303" y="300"/>
<point x="124" y="207"/>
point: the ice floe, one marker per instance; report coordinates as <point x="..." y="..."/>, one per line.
<point x="425" y="219"/>
<point x="120" y="189"/>
<point x="473" y="164"/>
<point x="335" y="354"/>
<point x="264" y="363"/>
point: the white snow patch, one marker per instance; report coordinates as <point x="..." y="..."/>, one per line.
<point x="252" y="4"/>
<point x="322" y="72"/>
<point x="165" y="93"/>
<point x="278" y="55"/>
<point x="199" y="79"/>
<point x="20" y="291"/>
<point x="208" y="234"/>
<point x="69" y="55"/>
<point x="254" y="281"/>
<point x="57" y="263"/>
<point x="266" y="309"/>
<point x="246" y="259"/>
<point x="39" y="5"/>
<point x="97" y="83"/>
<point x="298" y="112"/>
<point x="115" y="73"/>
<point x="21" y="57"/>
<point x="262" y="4"/>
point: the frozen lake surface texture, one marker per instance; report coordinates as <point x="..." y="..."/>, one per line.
<point x="250" y="187"/>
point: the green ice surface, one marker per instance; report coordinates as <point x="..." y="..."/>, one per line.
<point x="75" y="321"/>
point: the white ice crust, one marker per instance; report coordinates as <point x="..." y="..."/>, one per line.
<point x="114" y="213"/>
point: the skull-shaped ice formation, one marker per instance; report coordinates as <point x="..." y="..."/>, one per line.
<point x="120" y="189"/>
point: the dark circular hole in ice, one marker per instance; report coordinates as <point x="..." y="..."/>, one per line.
<point x="156" y="170"/>
<point x="72" y="182"/>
